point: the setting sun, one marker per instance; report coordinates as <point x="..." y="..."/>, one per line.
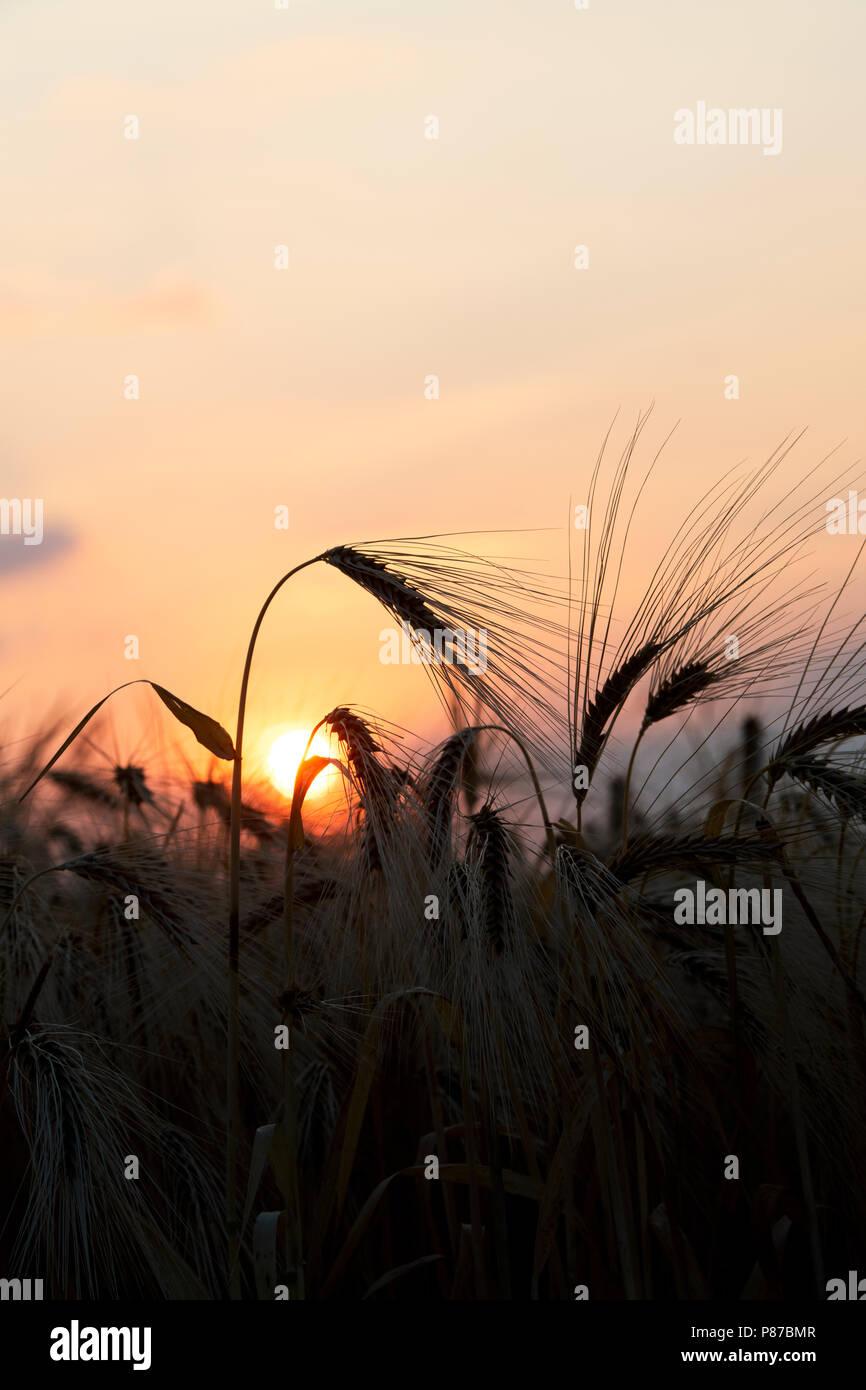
<point x="285" y="757"/>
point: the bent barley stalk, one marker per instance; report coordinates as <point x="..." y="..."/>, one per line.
<point x="406" y="602"/>
<point x="680" y="689"/>
<point x="233" y="1003"/>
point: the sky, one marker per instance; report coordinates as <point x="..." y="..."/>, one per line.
<point x="408" y="257"/>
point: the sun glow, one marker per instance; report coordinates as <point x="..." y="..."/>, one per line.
<point x="286" y="754"/>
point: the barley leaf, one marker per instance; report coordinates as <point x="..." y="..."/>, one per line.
<point x="306" y="776"/>
<point x="208" y="732"/>
<point x="65" y="744"/>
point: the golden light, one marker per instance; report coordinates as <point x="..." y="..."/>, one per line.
<point x="286" y="754"/>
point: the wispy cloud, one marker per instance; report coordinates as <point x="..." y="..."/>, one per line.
<point x="15" y="556"/>
<point x="34" y="304"/>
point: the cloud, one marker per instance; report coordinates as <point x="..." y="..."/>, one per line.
<point x="34" y="303"/>
<point x="16" y="557"/>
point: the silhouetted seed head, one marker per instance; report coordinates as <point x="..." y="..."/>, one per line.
<point x="257" y="823"/>
<point x="680" y="689"/>
<point x="440" y="789"/>
<point x="380" y="786"/>
<point x="212" y="796"/>
<point x="131" y="781"/>
<point x="389" y="588"/>
<point x="582" y="877"/>
<point x="355" y="736"/>
<point x="845" y="790"/>
<point x="144" y="875"/>
<point x="61" y="835"/>
<point x="608" y="699"/>
<point x="490" y="841"/>
<point x="831" y="727"/>
<point x="378" y="782"/>
<point x="660" y="854"/>
<point x="79" y="784"/>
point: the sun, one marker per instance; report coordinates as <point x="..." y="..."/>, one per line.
<point x="284" y="759"/>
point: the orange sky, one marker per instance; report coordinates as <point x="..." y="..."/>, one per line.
<point x="408" y="257"/>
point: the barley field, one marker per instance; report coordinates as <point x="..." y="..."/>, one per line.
<point x="442" y="1031"/>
